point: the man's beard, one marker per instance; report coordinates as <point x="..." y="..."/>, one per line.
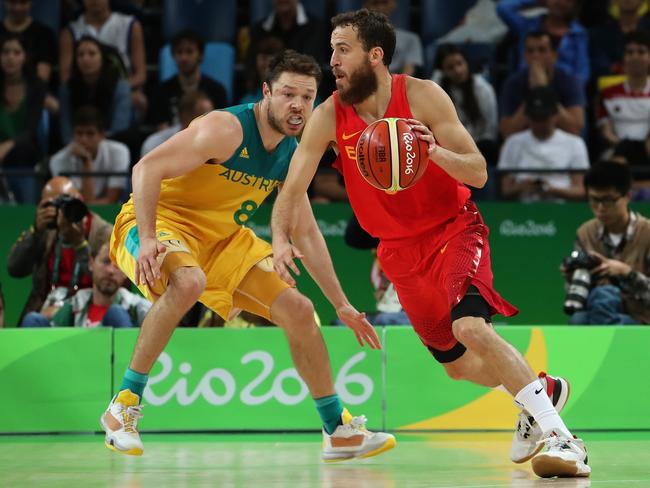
<point x="273" y="121"/>
<point x="107" y="287"/>
<point x="362" y="84"/>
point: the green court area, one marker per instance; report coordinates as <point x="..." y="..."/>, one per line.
<point x="292" y="460"/>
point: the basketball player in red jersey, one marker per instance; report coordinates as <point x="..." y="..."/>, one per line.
<point x="433" y="242"/>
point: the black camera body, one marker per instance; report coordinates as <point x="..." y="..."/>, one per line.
<point x="579" y="264"/>
<point x="74" y="210"/>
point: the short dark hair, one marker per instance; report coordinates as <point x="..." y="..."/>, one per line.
<point x="293" y="62"/>
<point x="609" y="174"/>
<point x="638" y="36"/>
<point x="373" y="30"/>
<point x="539" y="34"/>
<point x="88" y="115"/>
<point x="187" y="103"/>
<point x="190" y="36"/>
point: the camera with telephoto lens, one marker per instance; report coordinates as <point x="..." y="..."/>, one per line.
<point x="579" y="265"/>
<point x="74" y="210"/>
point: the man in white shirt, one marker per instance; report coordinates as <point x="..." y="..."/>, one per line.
<point x="543" y="147"/>
<point x="91" y="152"/>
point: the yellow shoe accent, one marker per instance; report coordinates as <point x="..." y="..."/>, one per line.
<point x="346" y="417"/>
<point x="388" y="445"/>
<point x="127" y="398"/>
<point x="131" y="452"/>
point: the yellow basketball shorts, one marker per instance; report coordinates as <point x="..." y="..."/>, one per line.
<point x="238" y="269"/>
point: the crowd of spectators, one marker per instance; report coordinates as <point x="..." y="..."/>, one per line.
<point x="547" y="89"/>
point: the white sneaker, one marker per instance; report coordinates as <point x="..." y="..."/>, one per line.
<point x="352" y="440"/>
<point x="525" y="440"/>
<point x="563" y="456"/>
<point x="120" y="422"/>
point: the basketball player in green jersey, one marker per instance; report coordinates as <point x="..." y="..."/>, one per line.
<point x="180" y="239"/>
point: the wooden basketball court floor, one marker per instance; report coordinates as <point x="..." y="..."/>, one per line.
<point x="292" y="460"/>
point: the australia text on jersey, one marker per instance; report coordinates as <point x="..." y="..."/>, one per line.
<point x="257" y="182"/>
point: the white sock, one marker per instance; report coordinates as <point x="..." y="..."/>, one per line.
<point x="534" y="399"/>
<point x="502" y="388"/>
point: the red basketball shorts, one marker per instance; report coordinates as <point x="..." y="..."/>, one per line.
<point x="431" y="274"/>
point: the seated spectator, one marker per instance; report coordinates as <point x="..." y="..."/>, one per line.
<point x="94" y="81"/>
<point x="540" y="55"/>
<point x="23" y="95"/>
<point x="91" y="152"/>
<point x="121" y="32"/>
<point x="618" y="240"/>
<point x="38" y="38"/>
<point x="192" y="105"/>
<point x="107" y="303"/>
<point x="473" y="97"/>
<point x="54" y="250"/>
<point x="607" y="41"/>
<point x="187" y="49"/>
<point x="264" y="52"/>
<point x="624" y="110"/>
<point x="292" y="24"/>
<point x="543" y="147"/>
<point x="407" y="57"/>
<point x="560" y="22"/>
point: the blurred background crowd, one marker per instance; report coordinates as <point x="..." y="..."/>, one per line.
<point x="548" y="89"/>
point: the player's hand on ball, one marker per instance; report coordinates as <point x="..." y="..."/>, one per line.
<point x="283" y="260"/>
<point x="147" y="268"/>
<point x="424" y="134"/>
<point x="356" y="320"/>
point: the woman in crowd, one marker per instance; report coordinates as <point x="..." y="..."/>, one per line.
<point x="473" y="97"/>
<point x="94" y="81"/>
<point x="21" y="108"/>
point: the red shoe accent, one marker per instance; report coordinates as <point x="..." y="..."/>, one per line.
<point x="550" y="383"/>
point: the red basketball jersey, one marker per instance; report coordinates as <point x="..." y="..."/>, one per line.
<point x="435" y="199"/>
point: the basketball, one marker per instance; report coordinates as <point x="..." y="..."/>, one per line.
<point x="390" y="156"/>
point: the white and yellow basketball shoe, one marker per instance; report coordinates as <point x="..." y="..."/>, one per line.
<point x="351" y="440"/>
<point x="563" y="456"/>
<point x="120" y="422"/>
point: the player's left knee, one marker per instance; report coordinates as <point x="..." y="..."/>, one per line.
<point x="293" y="312"/>
<point x="473" y="332"/>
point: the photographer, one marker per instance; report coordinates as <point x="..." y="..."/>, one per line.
<point x="55" y="249"/>
<point x="615" y="261"/>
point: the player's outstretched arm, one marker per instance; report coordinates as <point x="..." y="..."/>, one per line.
<point x="319" y="131"/>
<point x="214" y="136"/>
<point x="450" y="145"/>
<point x="316" y="258"/>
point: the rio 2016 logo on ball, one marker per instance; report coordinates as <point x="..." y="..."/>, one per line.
<point x="390" y="156"/>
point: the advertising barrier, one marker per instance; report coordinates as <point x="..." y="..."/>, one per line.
<point x="60" y="380"/>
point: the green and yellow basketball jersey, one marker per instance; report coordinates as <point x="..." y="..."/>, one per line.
<point x="216" y="199"/>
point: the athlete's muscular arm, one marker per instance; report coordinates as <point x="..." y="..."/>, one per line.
<point x="214" y="136"/>
<point x="319" y="131"/>
<point x="450" y="145"/>
<point x="316" y="258"/>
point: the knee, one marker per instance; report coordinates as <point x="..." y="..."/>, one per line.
<point x="188" y="283"/>
<point x="473" y="332"/>
<point x="296" y="312"/>
<point x="454" y="370"/>
<point x="604" y="292"/>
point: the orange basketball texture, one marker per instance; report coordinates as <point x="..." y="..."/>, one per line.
<point x="390" y="156"/>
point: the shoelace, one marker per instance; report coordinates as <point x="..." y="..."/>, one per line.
<point x="555" y="441"/>
<point x="359" y="423"/>
<point x="130" y="417"/>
